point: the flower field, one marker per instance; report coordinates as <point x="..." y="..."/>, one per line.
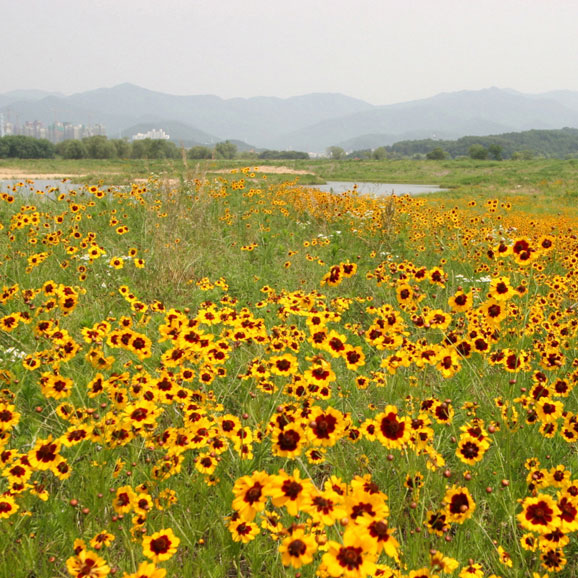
<point x="225" y="377"/>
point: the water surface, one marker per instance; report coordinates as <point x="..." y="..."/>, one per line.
<point x="379" y="189"/>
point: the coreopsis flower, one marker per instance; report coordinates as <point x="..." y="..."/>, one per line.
<point x="437" y="276"/>
<point x="505" y="558"/>
<point x="438" y="319"/>
<point x="45" y="453"/>
<point x="206" y="464"/>
<point x="354" y="357"/>
<point x="348" y="269"/>
<point x="8" y="506"/>
<point x="459" y="504"/>
<point x="448" y="362"/>
<point x="523" y="251"/>
<point x="87" y="564"/>
<point x="515" y="361"/>
<point x="354" y="558"/>
<point x="473" y="570"/>
<point x="143" y="504"/>
<point x="501" y="290"/>
<point x="116" y="263"/>
<point x="325" y="426"/>
<point x="333" y="277"/>
<point x="9" y="417"/>
<point x="325" y="507"/>
<point x="553" y="559"/>
<point x="461" y="301"/>
<point x="320" y="374"/>
<point x="298" y="549"/>
<point x="335" y="344"/>
<point x="161" y="545"/>
<point x="243" y="531"/>
<point x="382" y="534"/>
<point x="444" y="563"/>
<point x="9" y="322"/>
<point x="360" y="504"/>
<point x="568" y="507"/>
<point x="76" y="434"/>
<point x="554" y="539"/>
<point x="529" y="542"/>
<point x="470" y="449"/>
<point x="392" y="430"/>
<point x="548" y="410"/>
<point x="142" y="414"/>
<point x="18" y="471"/>
<point x="140" y="345"/>
<point x="290" y="492"/>
<point x="124" y="500"/>
<point x="250" y="497"/>
<point x="55" y="386"/>
<point x="442" y="412"/>
<point x="61" y="469"/>
<point x="102" y="539"/>
<point x="289" y="441"/>
<point x="284" y="365"/>
<point x="539" y="514"/>
<point x="406" y="295"/>
<point x="493" y="312"/>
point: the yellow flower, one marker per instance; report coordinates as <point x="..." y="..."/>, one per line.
<point x="249" y="493"/>
<point x="87" y="564"/>
<point x="540" y="513"/>
<point x="8" y="506"/>
<point x="288" y="491"/>
<point x="243" y="531"/>
<point x="161" y="545"/>
<point x="459" y="504"/>
<point x="298" y="549"/>
<point x="355" y="558"/>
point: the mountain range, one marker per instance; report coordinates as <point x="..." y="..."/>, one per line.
<point x="311" y="122"/>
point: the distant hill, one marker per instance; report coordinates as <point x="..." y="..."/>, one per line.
<point x="550" y="143"/>
<point x="259" y="120"/>
<point x="447" y="116"/>
<point x="310" y="122"/>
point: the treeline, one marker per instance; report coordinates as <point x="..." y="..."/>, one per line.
<point x="101" y="147"/>
<point x="562" y="143"/>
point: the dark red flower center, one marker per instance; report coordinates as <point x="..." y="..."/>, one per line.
<point x="350" y="557"/>
<point x="160" y="545"/>
<point x="297" y="548"/>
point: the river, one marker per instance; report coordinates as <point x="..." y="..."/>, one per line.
<point x="379" y="189"/>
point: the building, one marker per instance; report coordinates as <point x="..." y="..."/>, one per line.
<point x="155" y="133"/>
<point x="56" y="132"/>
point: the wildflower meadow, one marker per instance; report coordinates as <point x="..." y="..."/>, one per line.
<point x="236" y="376"/>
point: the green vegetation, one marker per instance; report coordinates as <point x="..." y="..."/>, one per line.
<point x="561" y="143"/>
<point x="26" y="147"/>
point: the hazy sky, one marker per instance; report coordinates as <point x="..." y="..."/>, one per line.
<point x="382" y="51"/>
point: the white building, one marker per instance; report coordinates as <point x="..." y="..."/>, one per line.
<point x="155" y="133"/>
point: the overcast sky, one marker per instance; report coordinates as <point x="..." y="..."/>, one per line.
<point x="382" y="51"/>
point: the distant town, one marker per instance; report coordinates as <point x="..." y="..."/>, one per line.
<point x="60" y="131"/>
<point x="56" y="132"/>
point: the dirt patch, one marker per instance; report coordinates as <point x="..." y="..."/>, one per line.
<point x="16" y="174"/>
